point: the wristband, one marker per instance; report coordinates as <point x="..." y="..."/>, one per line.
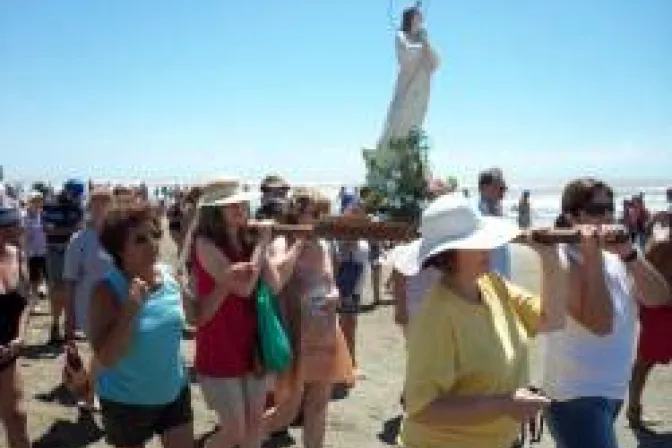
<point x="632" y="256"/>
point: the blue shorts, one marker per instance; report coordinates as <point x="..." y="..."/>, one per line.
<point x="55" y="263"/>
<point x="584" y="422"/>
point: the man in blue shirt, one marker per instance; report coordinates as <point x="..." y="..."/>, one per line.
<point x="61" y="218"/>
<point x="491" y="190"/>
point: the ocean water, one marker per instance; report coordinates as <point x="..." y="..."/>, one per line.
<point x="545" y="200"/>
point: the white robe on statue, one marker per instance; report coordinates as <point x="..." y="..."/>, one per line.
<point x="411" y="95"/>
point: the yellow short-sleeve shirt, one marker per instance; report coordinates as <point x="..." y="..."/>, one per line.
<point x="463" y="349"/>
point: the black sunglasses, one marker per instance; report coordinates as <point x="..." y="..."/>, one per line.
<point x="597" y="209"/>
<point x="154" y="235"/>
<point x="275" y="191"/>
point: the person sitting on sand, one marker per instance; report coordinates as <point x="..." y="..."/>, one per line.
<point x="468" y="345"/>
<point x="587" y="364"/>
<point x="14" y="315"/>
<point x="309" y="302"/>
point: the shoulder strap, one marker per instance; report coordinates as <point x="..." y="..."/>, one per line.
<point x="168" y="276"/>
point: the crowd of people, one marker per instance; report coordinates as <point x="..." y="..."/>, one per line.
<point x="94" y="253"/>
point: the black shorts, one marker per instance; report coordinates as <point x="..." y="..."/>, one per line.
<point x="37" y="269"/>
<point x="132" y="424"/>
<point x="350" y="305"/>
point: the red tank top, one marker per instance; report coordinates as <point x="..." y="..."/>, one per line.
<point x="226" y="345"/>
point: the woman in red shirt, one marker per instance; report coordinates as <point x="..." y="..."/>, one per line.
<point x="226" y="269"/>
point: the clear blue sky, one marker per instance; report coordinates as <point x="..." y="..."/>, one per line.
<point x="124" y="88"/>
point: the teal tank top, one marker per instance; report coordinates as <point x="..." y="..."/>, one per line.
<point x="153" y="371"/>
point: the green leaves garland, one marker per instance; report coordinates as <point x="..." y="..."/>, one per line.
<point x="397" y="177"/>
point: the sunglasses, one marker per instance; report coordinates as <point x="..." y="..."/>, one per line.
<point x="147" y="238"/>
<point x="277" y="192"/>
<point x="597" y="209"/>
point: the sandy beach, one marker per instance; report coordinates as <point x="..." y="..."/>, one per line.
<point x="368" y="417"/>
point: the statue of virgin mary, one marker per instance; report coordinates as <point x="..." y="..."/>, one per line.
<point x="397" y="168"/>
<point x="417" y="63"/>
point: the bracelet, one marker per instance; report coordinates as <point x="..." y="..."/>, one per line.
<point x="632" y="256"/>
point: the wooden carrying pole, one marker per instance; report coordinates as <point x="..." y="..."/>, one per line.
<point x="349" y="229"/>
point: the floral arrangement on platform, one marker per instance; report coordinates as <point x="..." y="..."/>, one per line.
<point x="397" y="178"/>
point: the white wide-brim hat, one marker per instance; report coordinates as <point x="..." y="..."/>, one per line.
<point x="226" y="192"/>
<point x="451" y="223"/>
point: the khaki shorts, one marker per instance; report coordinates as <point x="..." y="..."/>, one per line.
<point x="229" y="397"/>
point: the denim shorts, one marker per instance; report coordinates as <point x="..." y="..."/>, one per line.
<point x="55" y="262"/>
<point x="584" y="422"/>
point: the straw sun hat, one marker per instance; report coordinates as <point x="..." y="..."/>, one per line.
<point x="451" y="223"/>
<point x="225" y="192"/>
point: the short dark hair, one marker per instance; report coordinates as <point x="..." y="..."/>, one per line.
<point x="580" y="192"/>
<point x="490" y="176"/>
<point x="273" y="181"/>
<point x="118" y="224"/>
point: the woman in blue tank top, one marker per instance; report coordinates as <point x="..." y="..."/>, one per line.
<point x="136" y="322"/>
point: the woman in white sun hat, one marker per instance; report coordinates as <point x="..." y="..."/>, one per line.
<point x="468" y="344"/>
